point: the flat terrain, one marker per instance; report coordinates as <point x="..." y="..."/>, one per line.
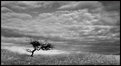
<point x="11" y="58"/>
<point x="12" y="54"/>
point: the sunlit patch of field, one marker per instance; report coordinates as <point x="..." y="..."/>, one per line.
<point x="11" y="58"/>
<point x="23" y="50"/>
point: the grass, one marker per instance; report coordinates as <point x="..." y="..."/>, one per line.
<point x="11" y="58"/>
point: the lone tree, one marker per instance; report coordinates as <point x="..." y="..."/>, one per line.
<point x="40" y="45"/>
<point x="35" y="45"/>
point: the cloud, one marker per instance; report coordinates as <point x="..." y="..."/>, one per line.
<point x="111" y="5"/>
<point x="9" y="15"/>
<point x="110" y="18"/>
<point x="82" y="4"/>
<point x="44" y="16"/>
<point x="7" y="12"/>
<point x="76" y="24"/>
<point x="5" y="9"/>
<point x="14" y="19"/>
<point x="6" y="32"/>
<point x="4" y="3"/>
<point x="81" y="23"/>
<point x="27" y="4"/>
<point x="69" y="5"/>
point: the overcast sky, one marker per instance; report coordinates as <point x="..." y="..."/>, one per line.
<point x="38" y="7"/>
<point x="40" y="17"/>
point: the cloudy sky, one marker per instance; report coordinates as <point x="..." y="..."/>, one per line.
<point x="80" y="20"/>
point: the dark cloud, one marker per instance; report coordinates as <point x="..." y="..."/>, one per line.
<point x="111" y="5"/>
<point x="12" y="15"/>
<point x="5" y="10"/>
<point x="27" y="4"/>
<point x="10" y="33"/>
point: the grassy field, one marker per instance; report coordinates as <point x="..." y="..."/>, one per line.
<point x="11" y="58"/>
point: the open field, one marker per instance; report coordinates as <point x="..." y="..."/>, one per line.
<point x="64" y="53"/>
<point x="11" y="58"/>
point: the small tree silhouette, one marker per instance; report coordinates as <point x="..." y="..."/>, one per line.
<point x="35" y="45"/>
<point x="40" y="45"/>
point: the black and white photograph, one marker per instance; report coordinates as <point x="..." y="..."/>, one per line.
<point x="60" y="32"/>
